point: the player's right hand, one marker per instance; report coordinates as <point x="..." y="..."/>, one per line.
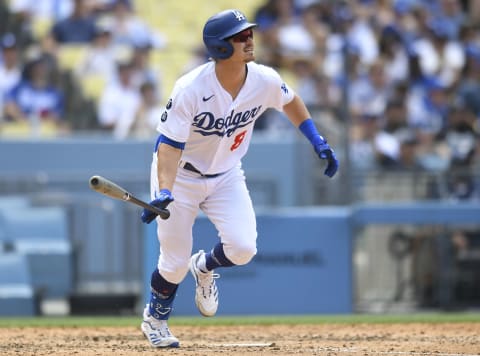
<point x="161" y="201"/>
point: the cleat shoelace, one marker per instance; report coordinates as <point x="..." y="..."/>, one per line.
<point x="207" y="283"/>
<point x="161" y="327"/>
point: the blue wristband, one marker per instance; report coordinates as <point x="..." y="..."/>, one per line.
<point x="308" y="128"/>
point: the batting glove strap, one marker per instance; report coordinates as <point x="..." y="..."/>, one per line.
<point x="164" y="195"/>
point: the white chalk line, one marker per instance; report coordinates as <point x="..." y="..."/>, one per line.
<point x="248" y="344"/>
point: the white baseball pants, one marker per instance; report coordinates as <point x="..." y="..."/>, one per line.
<point x="225" y="200"/>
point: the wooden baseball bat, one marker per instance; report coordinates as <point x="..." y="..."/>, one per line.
<point x="106" y="187"/>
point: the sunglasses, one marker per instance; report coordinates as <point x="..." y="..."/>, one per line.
<point x="243" y="36"/>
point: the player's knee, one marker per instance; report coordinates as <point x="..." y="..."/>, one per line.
<point x="174" y="273"/>
<point x="241" y="253"/>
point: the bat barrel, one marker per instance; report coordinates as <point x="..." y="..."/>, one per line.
<point x="112" y="190"/>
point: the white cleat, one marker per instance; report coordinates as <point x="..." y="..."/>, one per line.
<point x="157" y="331"/>
<point x="206" y="292"/>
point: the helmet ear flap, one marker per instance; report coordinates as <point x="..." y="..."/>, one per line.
<point x="221" y="49"/>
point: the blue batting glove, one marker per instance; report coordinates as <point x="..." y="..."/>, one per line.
<point x="161" y="201"/>
<point x="324" y="151"/>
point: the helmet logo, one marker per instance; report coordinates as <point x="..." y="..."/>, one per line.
<point x="238" y="15"/>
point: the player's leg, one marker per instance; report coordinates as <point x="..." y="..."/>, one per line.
<point x="157" y="312"/>
<point x="230" y="209"/>
<point x="175" y="237"/>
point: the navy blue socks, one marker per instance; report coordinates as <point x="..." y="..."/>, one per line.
<point x="216" y="258"/>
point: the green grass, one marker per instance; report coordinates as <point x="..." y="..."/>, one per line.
<point x="244" y="320"/>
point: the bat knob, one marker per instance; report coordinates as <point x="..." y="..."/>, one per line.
<point x="94" y="181"/>
<point x="165" y="215"/>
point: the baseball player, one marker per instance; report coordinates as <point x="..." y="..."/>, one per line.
<point x="205" y="131"/>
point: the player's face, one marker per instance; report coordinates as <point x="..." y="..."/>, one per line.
<point x="243" y="46"/>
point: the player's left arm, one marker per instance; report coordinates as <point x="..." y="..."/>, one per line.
<point x="299" y="115"/>
<point x="296" y="111"/>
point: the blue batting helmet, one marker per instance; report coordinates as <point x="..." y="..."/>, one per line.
<point x="219" y="28"/>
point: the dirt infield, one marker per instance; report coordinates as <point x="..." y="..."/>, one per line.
<point x="332" y="339"/>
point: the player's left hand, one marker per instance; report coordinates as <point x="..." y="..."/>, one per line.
<point x="324" y="151"/>
<point x="161" y="201"/>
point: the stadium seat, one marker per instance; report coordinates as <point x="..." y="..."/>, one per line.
<point x="41" y="234"/>
<point x="17" y="296"/>
<point x="14" y="201"/>
<point x="41" y="26"/>
<point x="92" y="86"/>
<point x="4" y="243"/>
<point x="70" y="55"/>
<point x="6" y="203"/>
<point x="26" y="130"/>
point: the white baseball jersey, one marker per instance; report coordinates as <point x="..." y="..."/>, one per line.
<point x="217" y="130"/>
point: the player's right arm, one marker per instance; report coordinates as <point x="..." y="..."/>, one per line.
<point x="168" y="154"/>
<point x="168" y="157"/>
<point x="174" y="128"/>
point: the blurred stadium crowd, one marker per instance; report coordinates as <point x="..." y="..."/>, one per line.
<point x="109" y="86"/>
<point x="400" y="78"/>
<point x="409" y="70"/>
